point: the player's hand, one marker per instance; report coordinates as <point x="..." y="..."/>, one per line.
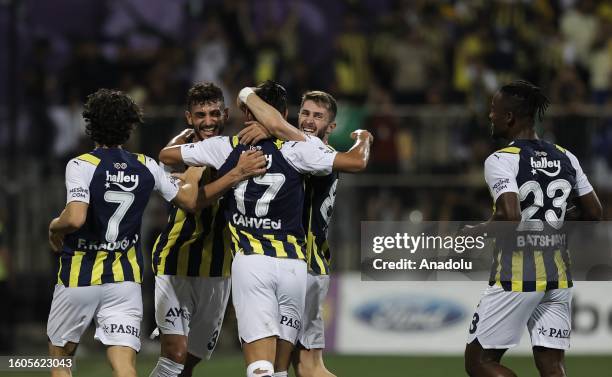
<point x="56" y="241"/>
<point x="250" y="164"/>
<point x="253" y="133"/>
<point x="187" y="136"/>
<point x="362" y="135"/>
<point x="191" y="175"/>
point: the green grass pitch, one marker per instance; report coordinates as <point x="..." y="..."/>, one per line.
<point x="352" y="366"/>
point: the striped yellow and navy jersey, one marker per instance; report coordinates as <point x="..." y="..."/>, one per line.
<point x="117" y="185"/>
<point x="264" y="213"/>
<point x="318" y="208"/>
<point x="194" y="244"/>
<point x="535" y="257"/>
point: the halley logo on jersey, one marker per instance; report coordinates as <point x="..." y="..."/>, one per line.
<point x="543" y="163"/>
<point x="120" y="178"/>
<point x="410" y="313"/>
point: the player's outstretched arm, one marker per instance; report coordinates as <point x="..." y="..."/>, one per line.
<point x="70" y="220"/>
<point x="250" y="164"/>
<point x="356" y="159"/>
<point x="271" y="119"/>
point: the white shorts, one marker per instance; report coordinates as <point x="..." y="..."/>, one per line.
<point x="312" y="335"/>
<point x="116" y="309"/>
<point x="501" y="317"/>
<point x="194" y="307"/>
<point x="268" y="295"/>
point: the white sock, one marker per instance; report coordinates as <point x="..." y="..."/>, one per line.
<point x="166" y="368"/>
<point x="281" y="374"/>
<point x="260" y="368"/>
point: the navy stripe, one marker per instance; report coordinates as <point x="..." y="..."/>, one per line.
<point x="184" y="235"/>
<point x="218" y="244"/>
<point x="163" y="239"/>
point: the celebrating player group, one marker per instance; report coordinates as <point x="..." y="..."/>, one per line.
<point x="255" y="206"/>
<point x="249" y="215"/>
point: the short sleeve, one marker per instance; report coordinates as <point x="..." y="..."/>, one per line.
<point x="165" y="184"/>
<point x="500" y="171"/>
<point x="210" y="152"/>
<point x="79" y="174"/>
<point x="582" y="186"/>
<point x="310" y="156"/>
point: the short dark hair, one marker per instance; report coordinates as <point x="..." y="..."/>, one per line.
<point x="525" y="99"/>
<point x="110" y="116"/>
<point x="273" y="94"/>
<point x="322" y="99"/>
<point x="202" y="93"/>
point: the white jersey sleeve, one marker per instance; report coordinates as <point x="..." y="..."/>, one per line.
<point x="79" y="174"/>
<point x="210" y="152"/>
<point x="309" y="157"/>
<point x="500" y="171"/>
<point x="582" y="186"/>
<point x="165" y="184"/>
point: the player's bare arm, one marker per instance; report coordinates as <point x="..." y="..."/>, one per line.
<point x="269" y="118"/>
<point x="187" y="196"/>
<point x="171" y="155"/>
<point x="588" y="208"/>
<point x="70" y="220"/>
<point x="356" y="159"/>
<point x="251" y="163"/>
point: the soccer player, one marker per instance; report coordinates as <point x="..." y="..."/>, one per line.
<point x="530" y="181"/>
<point x="97" y="235"/>
<point x="192" y="257"/>
<point x="265" y="220"/>
<point x="316" y="117"/>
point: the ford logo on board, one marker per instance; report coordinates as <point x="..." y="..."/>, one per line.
<point x="410" y="313"/>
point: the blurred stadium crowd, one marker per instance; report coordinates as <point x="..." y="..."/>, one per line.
<point x="419" y="74"/>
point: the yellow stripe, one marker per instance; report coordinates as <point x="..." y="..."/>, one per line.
<point x="75" y="268"/>
<point x="98" y="268"/>
<point x="292" y="240"/>
<point x="498" y="272"/>
<point x="179" y="220"/>
<point x="561" y="269"/>
<point x="255" y="243"/>
<point x="59" y="272"/>
<point x="277" y="245"/>
<point x="540" y="268"/>
<point x="235" y="238"/>
<point x="560" y="148"/>
<point x="134" y="263"/>
<point x="320" y="263"/>
<point x="517" y="271"/>
<point x="279" y="143"/>
<point x="235" y="141"/>
<point x="89" y="158"/>
<point x="118" y="268"/>
<point x="513" y="150"/>
<point x="141" y="158"/>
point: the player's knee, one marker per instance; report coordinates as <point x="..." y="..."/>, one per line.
<point x="69" y="349"/>
<point x="551" y="370"/>
<point x="175" y="349"/>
